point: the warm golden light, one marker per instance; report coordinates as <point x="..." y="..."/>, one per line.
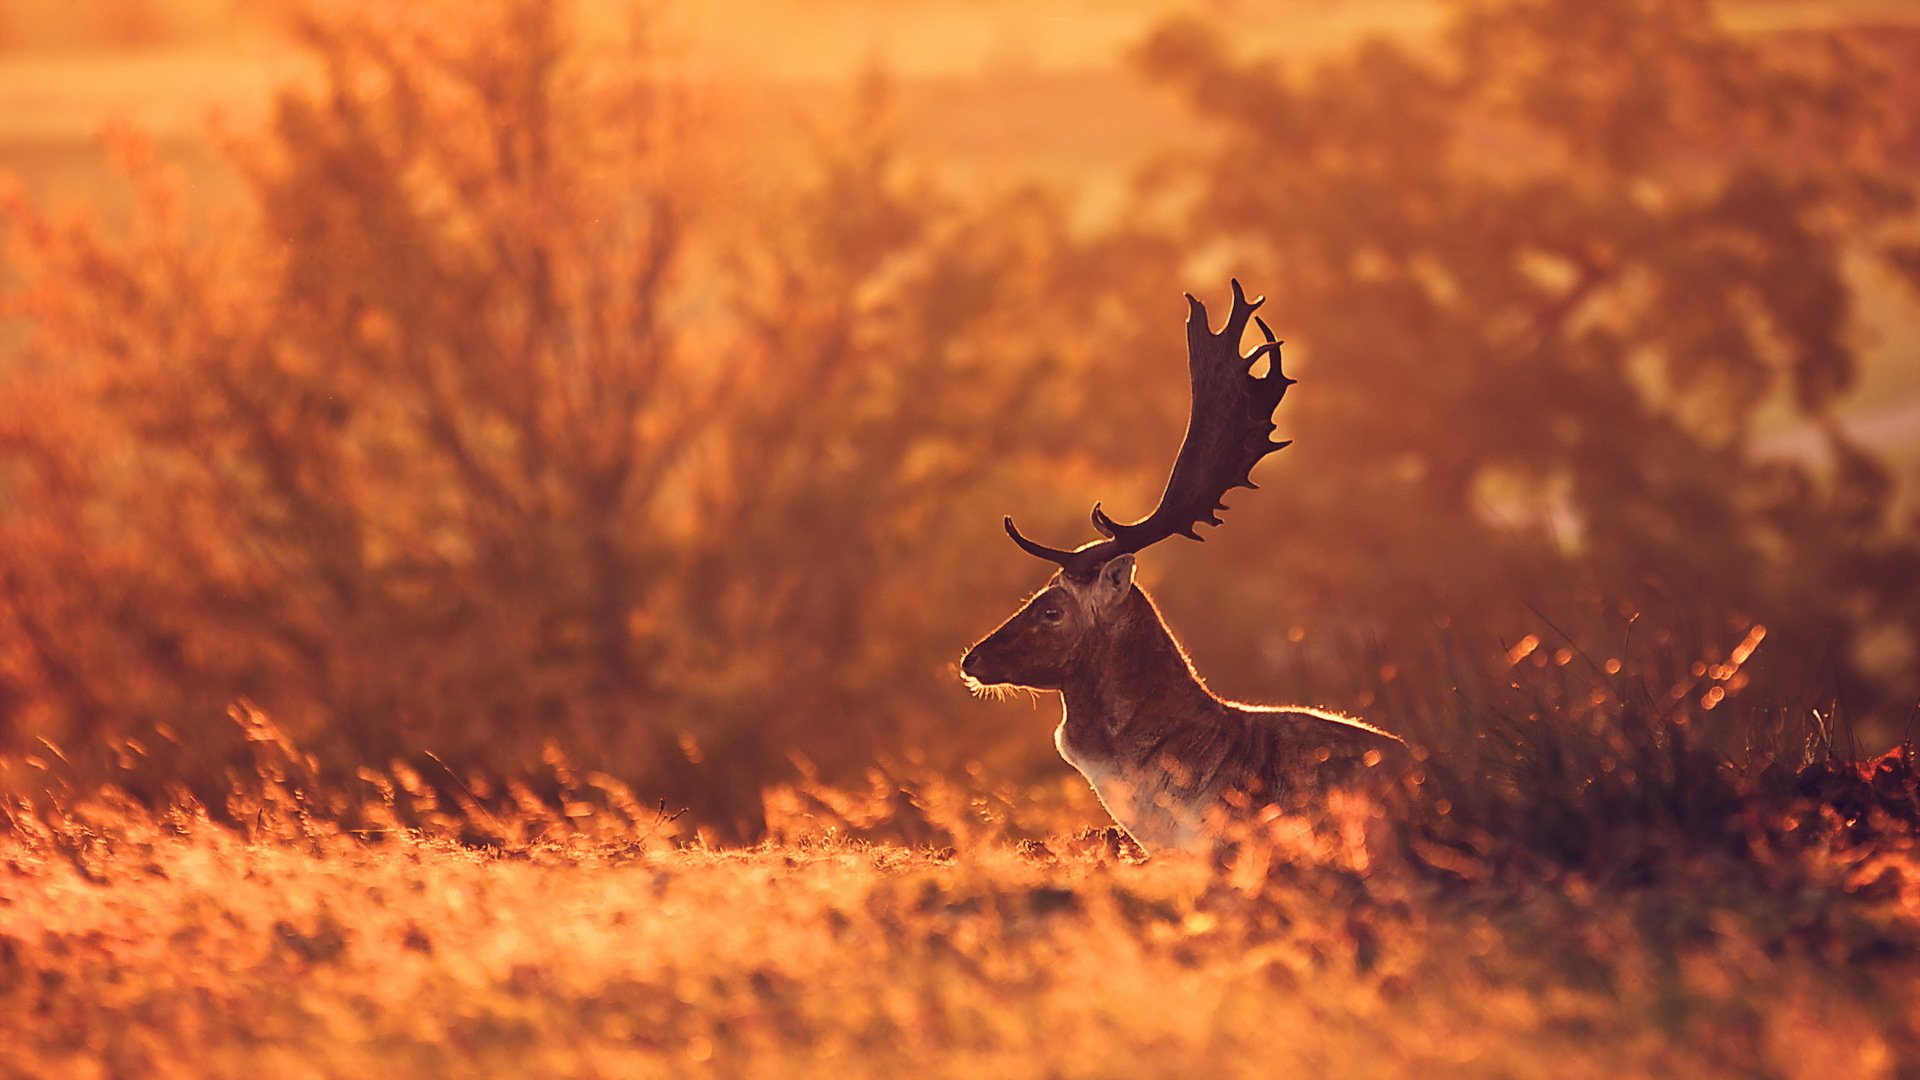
<point x="496" y="497"/>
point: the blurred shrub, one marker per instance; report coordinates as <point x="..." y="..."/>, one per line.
<point x="509" y="414"/>
<point x="1544" y="278"/>
<point x="490" y="425"/>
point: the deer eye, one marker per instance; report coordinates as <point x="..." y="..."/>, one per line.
<point x="1052" y="614"/>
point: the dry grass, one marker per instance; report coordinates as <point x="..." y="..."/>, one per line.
<point x="581" y="936"/>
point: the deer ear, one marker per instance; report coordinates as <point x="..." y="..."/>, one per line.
<point x="1115" y="580"/>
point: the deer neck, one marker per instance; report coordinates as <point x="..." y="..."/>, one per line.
<point x="1133" y="678"/>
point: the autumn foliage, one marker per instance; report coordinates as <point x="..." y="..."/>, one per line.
<point x="507" y="414"/>
<point x="480" y="590"/>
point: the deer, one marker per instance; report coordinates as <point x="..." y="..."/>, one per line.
<point x="1174" y="764"/>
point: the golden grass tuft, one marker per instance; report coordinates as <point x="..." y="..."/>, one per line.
<point x="920" y="926"/>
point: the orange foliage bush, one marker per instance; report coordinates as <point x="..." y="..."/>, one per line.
<point x="452" y="444"/>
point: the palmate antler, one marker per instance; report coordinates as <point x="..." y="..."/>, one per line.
<point x="1227" y="431"/>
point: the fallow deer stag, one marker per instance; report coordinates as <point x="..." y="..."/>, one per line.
<point x="1173" y="763"/>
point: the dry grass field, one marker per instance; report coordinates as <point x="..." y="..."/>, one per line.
<point x="585" y="937"/>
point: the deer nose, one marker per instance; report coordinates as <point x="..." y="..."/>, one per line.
<point x="966" y="662"/>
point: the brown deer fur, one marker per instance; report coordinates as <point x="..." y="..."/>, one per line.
<point x="1173" y="763"/>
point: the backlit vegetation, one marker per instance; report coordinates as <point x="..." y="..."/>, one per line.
<point x="479" y="591"/>
<point x="1752" y="922"/>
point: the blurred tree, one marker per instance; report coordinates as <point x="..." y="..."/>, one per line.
<point x="459" y="444"/>
<point x="510" y="411"/>
<point x="892" y="381"/>
<point x="1544" y="277"/>
<point x="375" y="457"/>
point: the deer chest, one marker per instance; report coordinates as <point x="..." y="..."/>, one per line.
<point x="1147" y="802"/>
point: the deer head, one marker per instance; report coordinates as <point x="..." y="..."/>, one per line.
<point x="1228" y="426"/>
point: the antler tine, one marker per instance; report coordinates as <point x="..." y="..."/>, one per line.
<point x="1040" y="551"/>
<point x="1102" y="524"/>
<point x="1274" y="374"/>
<point x="1238" y="315"/>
